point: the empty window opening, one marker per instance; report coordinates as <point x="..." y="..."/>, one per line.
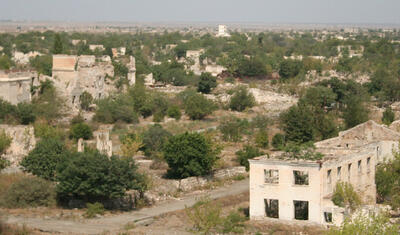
<point x="73" y="99"/>
<point x="329" y="177"/>
<point x="359" y="167"/>
<point x="300" y="177"/>
<point x="271" y="208"/>
<point x="339" y="172"/>
<point x="271" y="176"/>
<point x="349" y="171"/>
<point x="300" y="210"/>
<point x="368" y="165"/>
<point x="328" y="217"/>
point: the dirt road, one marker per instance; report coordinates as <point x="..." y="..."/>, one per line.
<point x="114" y="223"/>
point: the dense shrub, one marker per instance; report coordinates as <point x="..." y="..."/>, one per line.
<point x="44" y="159"/>
<point x="261" y="139"/>
<point x="42" y="64"/>
<point x="241" y="99"/>
<point x="355" y="112"/>
<point x="25" y="113"/>
<point x="387" y="180"/>
<point x="278" y="141"/>
<point x="48" y="104"/>
<point x="81" y="130"/>
<point x="248" y="152"/>
<point x="206" y="83"/>
<point x="45" y="131"/>
<point x="113" y="109"/>
<point x="174" y="111"/>
<point x="198" y="106"/>
<point x="154" y="139"/>
<point x="189" y="154"/>
<point x="130" y="144"/>
<point x="388" y="116"/>
<point x="91" y="176"/>
<point x="29" y="192"/>
<point x="290" y="68"/>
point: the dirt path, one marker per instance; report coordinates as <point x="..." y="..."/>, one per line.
<point x="114" y="223"/>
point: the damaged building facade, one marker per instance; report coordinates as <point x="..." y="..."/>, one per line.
<point x="72" y="75"/>
<point x="16" y="87"/>
<point x="294" y="189"/>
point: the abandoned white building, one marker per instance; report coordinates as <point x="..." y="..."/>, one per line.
<point x="294" y="189"/>
<point x="16" y="87"/>
<point x="223" y="31"/>
<point x="72" y="75"/>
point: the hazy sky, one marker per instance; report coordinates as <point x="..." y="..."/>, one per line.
<point x="268" y="11"/>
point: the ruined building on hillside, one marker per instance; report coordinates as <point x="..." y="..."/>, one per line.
<point x="72" y="75"/>
<point x="294" y="189"/>
<point x="16" y="87"/>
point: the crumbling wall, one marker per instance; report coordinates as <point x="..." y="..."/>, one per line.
<point x="23" y="141"/>
<point x="103" y="142"/>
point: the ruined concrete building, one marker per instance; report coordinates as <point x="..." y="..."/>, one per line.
<point x="96" y="47"/>
<point x="72" y="75"/>
<point x="132" y="71"/>
<point x="120" y="51"/>
<point x="294" y="189"/>
<point x="16" y="87"/>
<point x="103" y="142"/>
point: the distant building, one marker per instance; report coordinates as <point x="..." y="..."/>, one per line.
<point x="223" y="31"/>
<point x="295" y="189"/>
<point x="96" y="47"/>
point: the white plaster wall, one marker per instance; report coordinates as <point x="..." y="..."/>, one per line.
<point x="285" y="191"/>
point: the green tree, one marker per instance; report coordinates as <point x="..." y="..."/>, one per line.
<point x="42" y="64"/>
<point x="248" y="152"/>
<point x="44" y="159"/>
<point x="289" y="68"/>
<point x="278" y="141"/>
<point x="154" y="139"/>
<point x="81" y="130"/>
<point x="91" y="176"/>
<point x="297" y="122"/>
<point x="58" y="47"/>
<point x="388" y="116"/>
<point x="241" y="99"/>
<point x="25" y="113"/>
<point x="174" y="111"/>
<point x="189" y="154"/>
<point x="387" y="180"/>
<point x="344" y="195"/>
<point x="198" y="106"/>
<point x="5" y="62"/>
<point x="206" y="83"/>
<point x="355" y="112"/>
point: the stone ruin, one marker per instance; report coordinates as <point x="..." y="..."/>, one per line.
<point x="16" y="87"/>
<point x="103" y="142"/>
<point x="132" y="71"/>
<point x="23" y="141"/>
<point x="72" y="75"/>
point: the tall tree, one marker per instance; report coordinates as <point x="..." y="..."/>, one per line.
<point x="58" y="45"/>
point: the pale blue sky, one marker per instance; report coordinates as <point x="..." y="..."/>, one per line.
<point x="267" y="11"/>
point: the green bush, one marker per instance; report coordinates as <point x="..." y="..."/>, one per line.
<point x="189" y="154"/>
<point x="278" y="141"/>
<point x="42" y="64"/>
<point x="25" y="113"/>
<point x="94" y="209"/>
<point x="113" y="109"/>
<point x="241" y="99"/>
<point x="94" y="177"/>
<point x="198" y="106"/>
<point x="29" y="192"/>
<point x="387" y="178"/>
<point x="233" y="128"/>
<point x="388" y="116"/>
<point x="46" y="131"/>
<point x="248" y="152"/>
<point x="174" y="112"/>
<point x="5" y="141"/>
<point x="204" y="216"/>
<point x="48" y="104"/>
<point x="154" y="139"/>
<point x="81" y="130"/>
<point x="206" y="83"/>
<point x="262" y="140"/>
<point x="44" y="159"/>
<point x="345" y="195"/>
